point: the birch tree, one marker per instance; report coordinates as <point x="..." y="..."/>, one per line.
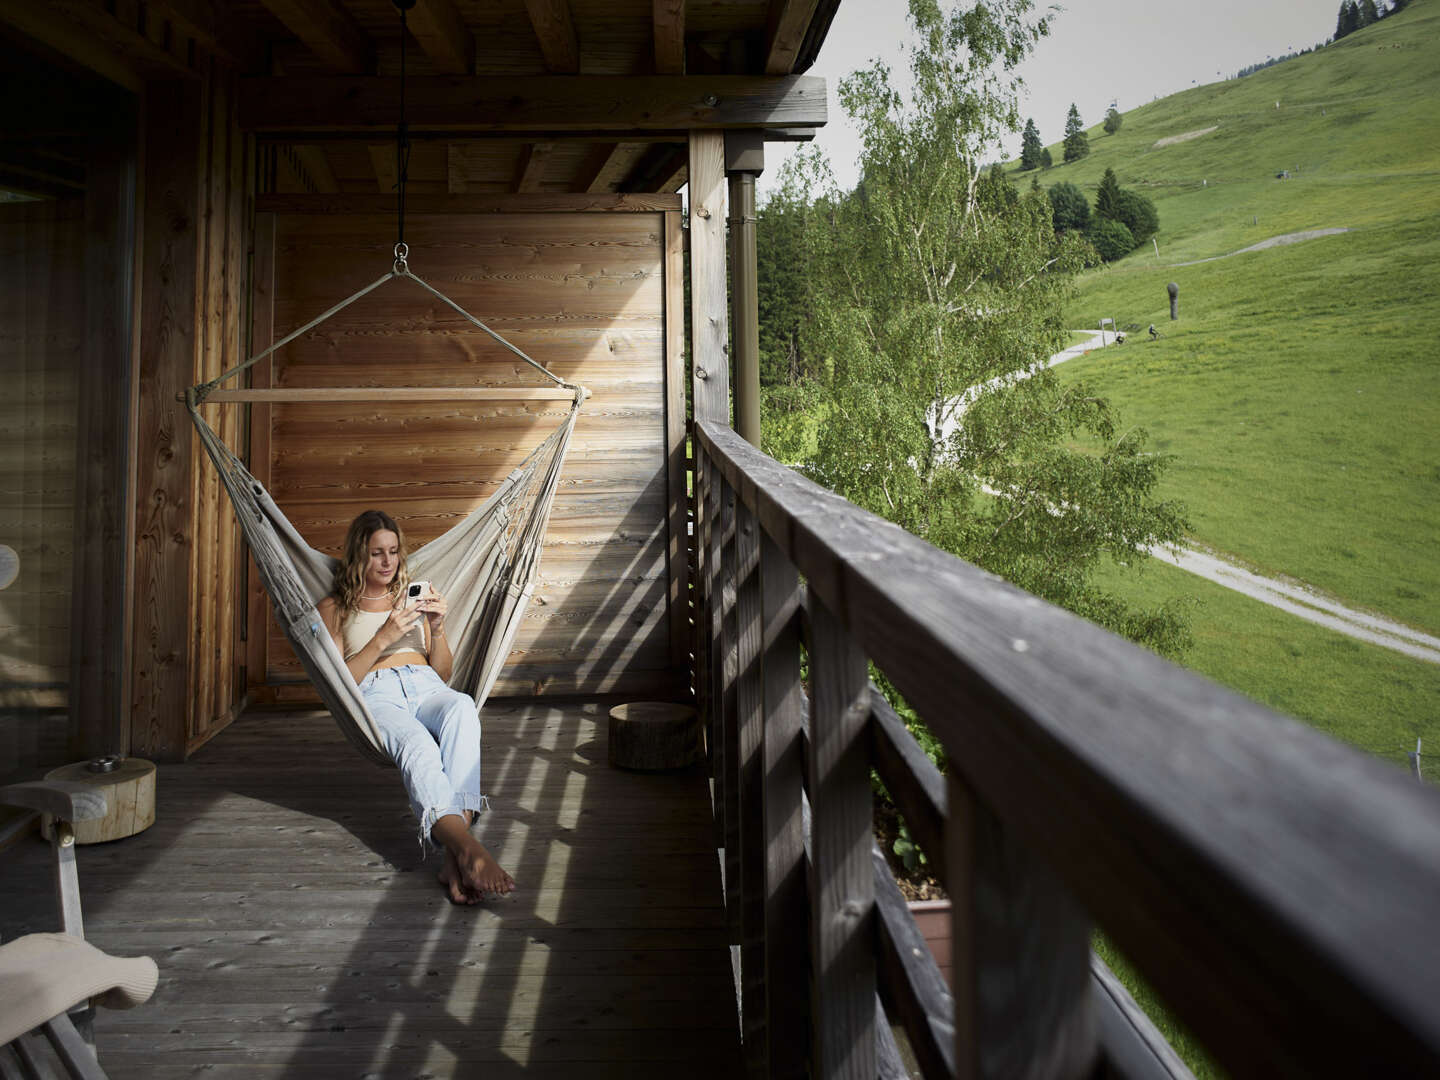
<point x="937" y="293"/>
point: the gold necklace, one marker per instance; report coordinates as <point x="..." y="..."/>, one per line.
<point x="382" y="596"/>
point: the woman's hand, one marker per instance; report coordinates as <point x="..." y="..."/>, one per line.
<point x="401" y="621"/>
<point x="433" y="606"/>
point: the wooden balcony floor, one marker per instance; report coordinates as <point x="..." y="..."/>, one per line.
<point x="298" y="934"/>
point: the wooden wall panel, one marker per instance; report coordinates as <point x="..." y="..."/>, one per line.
<point x="41" y="343"/>
<point x="583" y="294"/>
<point x="189" y="573"/>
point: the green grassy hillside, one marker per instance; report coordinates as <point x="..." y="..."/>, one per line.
<point x="1300" y="389"/>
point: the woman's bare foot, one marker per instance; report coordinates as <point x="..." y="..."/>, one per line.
<point x="454" y="884"/>
<point x="480" y="872"/>
<point x="470" y="870"/>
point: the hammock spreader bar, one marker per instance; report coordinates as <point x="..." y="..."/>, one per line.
<point x="485" y="565"/>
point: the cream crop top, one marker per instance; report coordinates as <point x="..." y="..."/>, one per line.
<point x="357" y="631"/>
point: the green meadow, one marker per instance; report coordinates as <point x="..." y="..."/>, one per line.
<point x="1300" y="389"/>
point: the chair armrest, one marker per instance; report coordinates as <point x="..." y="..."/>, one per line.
<point x="65" y="800"/>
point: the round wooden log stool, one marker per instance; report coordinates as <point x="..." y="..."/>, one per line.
<point x="654" y="735"/>
<point x="129" y="797"/>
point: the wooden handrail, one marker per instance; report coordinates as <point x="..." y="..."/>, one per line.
<point x="321" y="395"/>
<point x="1276" y="886"/>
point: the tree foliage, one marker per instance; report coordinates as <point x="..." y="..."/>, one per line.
<point x="935" y="283"/>
<point x="1030" y="146"/>
<point x="1112" y="239"/>
<point x="1113" y="120"/>
<point x="1069" y="209"/>
<point x="1046" y="160"/>
<point x="1107" y="195"/>
<point x="1077" y="143"/>
<point x="1115" y="205"/>
<point x="1348" y="19"/>
<point x="1136" y="213"/>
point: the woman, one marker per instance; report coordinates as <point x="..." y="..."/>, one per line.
<point x="400" y="658"/>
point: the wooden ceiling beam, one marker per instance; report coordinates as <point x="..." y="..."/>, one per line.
<point x="555" y="30"/>
<point x="663" y="169"/>
<point x="315" y="165"/>
<point x="328" y="31"/>
<point x="217" y="30"/>
<point x="532" y="166"/>
<point x="546" y="105"/>
<point x="441" y="32"/>
<point x="788" y="23"/>
<point x="668" y="17"/>
<point x="115" y="46"/>
<point x="607" y="166"/>
<point x="593" y="170"/>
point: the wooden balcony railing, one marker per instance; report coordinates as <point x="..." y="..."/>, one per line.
<point x="1280" y="890"/>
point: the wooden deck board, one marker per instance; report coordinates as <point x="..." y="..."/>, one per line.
<point x="298" y="932"/>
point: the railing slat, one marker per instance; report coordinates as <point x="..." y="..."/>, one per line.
<point x="730" y="729"/>
<point x="1276" y="887"/>
<point x="911" y="985"/>
<point x="786" y="907"/>
<point x="914" y="783"/>
<point x="1133" y="1046"/>
<point x="842" y="890"/>
<point x="787" y="915"/>
<point x="750" y="721"/>
<point x="889" y="1065"/>
<point x="1024" y="1005"/>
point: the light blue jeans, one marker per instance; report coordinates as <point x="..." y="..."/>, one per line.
<point x="432" y="733"/>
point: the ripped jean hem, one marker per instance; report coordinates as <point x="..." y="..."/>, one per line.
<point x="463" y="801"/>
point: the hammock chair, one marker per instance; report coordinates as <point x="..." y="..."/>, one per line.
<point x="485" y="565"/>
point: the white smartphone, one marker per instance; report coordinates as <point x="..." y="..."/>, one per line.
<point x="415" y="591"/>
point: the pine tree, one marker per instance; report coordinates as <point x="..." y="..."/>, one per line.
<point x="1076" y="144"/>
<point x="1112" y="121"/>
<point x="1368" y="12"/>
<point x="1107" y="199"/>
<point x="1030" y="146"/>
<point x="1348" y="21"/>
<point x="1046" y="159"/>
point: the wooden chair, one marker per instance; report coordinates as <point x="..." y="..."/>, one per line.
<point x="49" y="983"/>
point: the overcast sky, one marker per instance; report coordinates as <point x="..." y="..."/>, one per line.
<point x="1126" y="51"/>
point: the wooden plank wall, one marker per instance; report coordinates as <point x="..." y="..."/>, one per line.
<point x="41" y="323"/>
<point x="188" y="571"/>
<point x="584" y="294"/>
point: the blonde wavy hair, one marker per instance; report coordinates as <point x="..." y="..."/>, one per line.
<point x="350" y="572"/>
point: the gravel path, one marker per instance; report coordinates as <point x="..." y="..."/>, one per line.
<point x="1296" y="598"/>
<point x="1274" y="241"/>
<point x="1300" y="600"/>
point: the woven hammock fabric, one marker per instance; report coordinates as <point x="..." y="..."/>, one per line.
<point x="485" y="566"/>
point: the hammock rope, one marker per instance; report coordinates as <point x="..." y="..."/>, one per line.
<point x="485" y="565"/>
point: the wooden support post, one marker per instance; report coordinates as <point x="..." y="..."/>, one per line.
<point x="161" y="694"/>
<point x="106" y="393"/>
<point x="842" y="890"/>
<point x="1024" y="1003"/>
<point x="728" y="719"/>
<point x="750" y="717"/>
<point x="709" y="330"/>
<point x="262" y="335"/>
<point x="744" y="160"/>
<point x="678" y="600"/>
<point x="787" y="916"/>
